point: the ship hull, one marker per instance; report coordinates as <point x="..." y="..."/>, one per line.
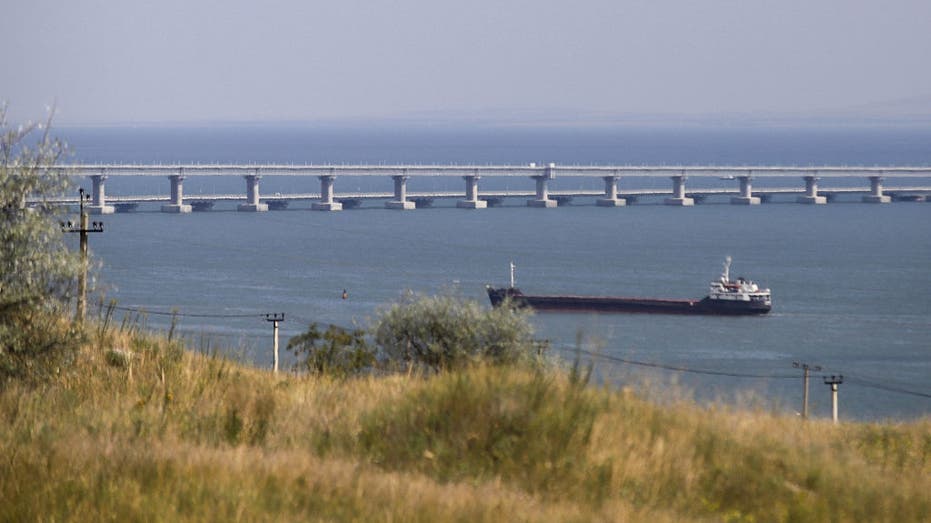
<point x="614" y="304"/>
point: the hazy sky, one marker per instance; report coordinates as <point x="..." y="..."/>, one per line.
<point x="134" y="61"/>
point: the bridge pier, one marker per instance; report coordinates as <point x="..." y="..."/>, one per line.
<point x="746" y="195"/>
<point x="543" y="196"/>
<point x="326" y="202"/>
<point x="252" y="195"/>
<point x="400" y="194"/>
<point x="678" y="193"/>
<point x="99" y="200"/>
<point x="471" y="195"/>
<point x="177" y="204"/>
<point x="876" y="191"/>
<point x="611" y="199"/>
<point x="811" y="192"/>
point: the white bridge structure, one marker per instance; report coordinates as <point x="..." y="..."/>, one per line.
<point x="472" y="198"/>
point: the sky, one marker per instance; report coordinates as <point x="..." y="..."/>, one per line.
<point x="505" y="61"/>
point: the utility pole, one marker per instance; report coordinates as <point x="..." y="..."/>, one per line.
<point x="82" y="228"/>
<point x="807" y="370"/>
<point x="834" y="381"/>
<point x="275" y="318"/>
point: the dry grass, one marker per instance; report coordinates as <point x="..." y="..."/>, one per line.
<point x="154" y="432"/>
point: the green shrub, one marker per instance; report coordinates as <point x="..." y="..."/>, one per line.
<point x="444" y="332"/>
<point x="35" y="344"/>
<point x="335" y="351"/>
<point x="37" y="272"/>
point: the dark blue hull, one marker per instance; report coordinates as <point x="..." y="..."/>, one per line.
<point x="619" y="304"/>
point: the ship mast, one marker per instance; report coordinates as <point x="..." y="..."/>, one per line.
<point x="512" y="274"/>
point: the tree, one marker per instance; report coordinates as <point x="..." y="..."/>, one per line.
<point x="335" y="351"/>
<point x="443" y="332"/>
<point x="37" y="271"/>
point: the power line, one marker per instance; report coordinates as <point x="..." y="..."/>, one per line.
<point x="240" y="336"/>
<point x="141" y="310"/>
<point x="865" y="383"/>
<point x="324" y="324"/>
<point x="627" y="361"/>
<point x="852" y="380"/>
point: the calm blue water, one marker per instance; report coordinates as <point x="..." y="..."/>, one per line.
<point x="851" y="281"/>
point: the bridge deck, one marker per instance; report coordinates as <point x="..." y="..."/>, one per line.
<point x="756" y="171"/>
<point x="493" y="194"/>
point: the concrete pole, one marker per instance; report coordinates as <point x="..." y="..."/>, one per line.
<point x="98" y="191"/>
<point x="400" y="194"/>
<point x="177" y="189"/>
<point x="678" y="193"/>
<point x="400" y="188"/>
<point x="275" y="330"/>
<point x="542" y="198"/>
<point x="275" y="319"/>
<point x="610" y="187"/>
<point x="610" y="199"/>
<point x="811" y="192"/>
<point x="834" y="381"/>
<point x="542" y="189"/>
<point x="252" y="195"/>
<point x="99" y="201"/>
<point x="805" y="394"/>
<point x="543" y="195"/>
<point x="471" y="194"/>
<point x="326" y="188"/>
<point x="252" y="189"/>
<point x="177" y="196"/>
<point x="746" y="192"/>
<point x="876" y="191"/>
<point x="834" y="402"/>
<point x="326" y="202"/>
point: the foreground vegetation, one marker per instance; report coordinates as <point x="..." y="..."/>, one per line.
<point x="37" y="271"/>
<point x="107" y="423"/>
<point x="137" y="428"/>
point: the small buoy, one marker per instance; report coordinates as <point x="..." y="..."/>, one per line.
<point x="345" y="294"/>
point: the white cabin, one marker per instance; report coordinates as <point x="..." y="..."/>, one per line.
<point x="739" y="290"/>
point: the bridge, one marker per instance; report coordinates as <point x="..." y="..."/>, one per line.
<point x="472" y="198"/>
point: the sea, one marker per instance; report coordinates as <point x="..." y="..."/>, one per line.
<point x="851" y="282"/>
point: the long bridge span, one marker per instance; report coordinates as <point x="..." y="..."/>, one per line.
<point x="739" y="179"/>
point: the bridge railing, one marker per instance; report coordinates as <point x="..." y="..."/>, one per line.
<point x="472" y="197"/>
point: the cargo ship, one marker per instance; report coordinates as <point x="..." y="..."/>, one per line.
<point x="725" y="297"/>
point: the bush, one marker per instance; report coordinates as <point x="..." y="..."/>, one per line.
<point x="443" y="332"/>
<point x="34" y="343"/>
<point x="335" y="351"/>
<point x="37" y="272"/>
<point x="36" y="268"/>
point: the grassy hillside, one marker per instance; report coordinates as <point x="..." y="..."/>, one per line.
<point x="154" y="432"/>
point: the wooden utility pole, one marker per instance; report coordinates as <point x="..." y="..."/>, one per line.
<point x="275" y="318"/>
<point x="807" y="370"/>
<point x="82" y="228"/>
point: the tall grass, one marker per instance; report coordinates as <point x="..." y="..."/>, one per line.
<point x="162" y="433"/>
